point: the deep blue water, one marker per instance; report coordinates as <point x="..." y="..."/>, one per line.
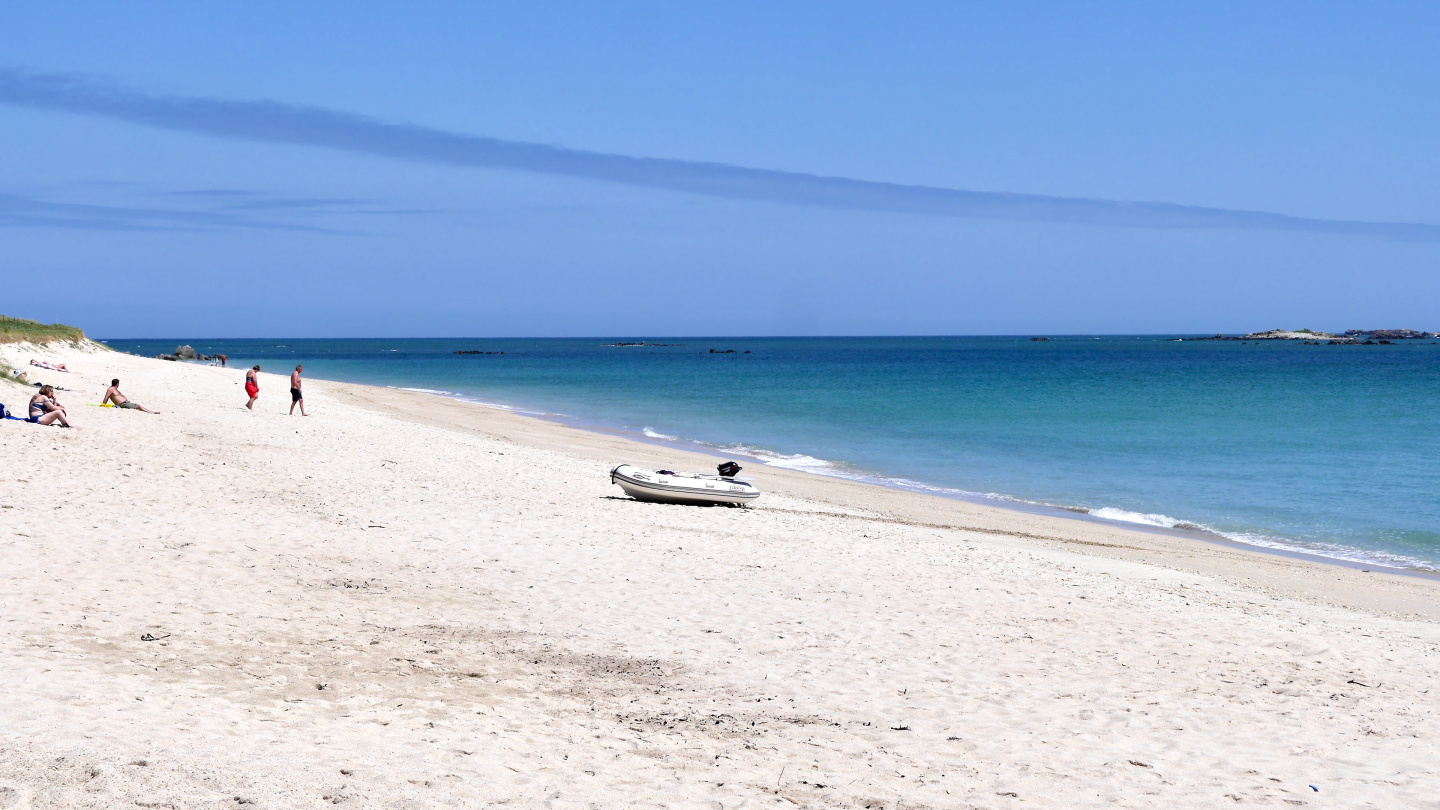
<point x="1329" y="449"/>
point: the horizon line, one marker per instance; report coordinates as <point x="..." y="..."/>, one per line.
<point x="1027" y="335"/>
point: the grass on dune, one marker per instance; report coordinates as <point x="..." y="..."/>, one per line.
<point x="20" y="330"/>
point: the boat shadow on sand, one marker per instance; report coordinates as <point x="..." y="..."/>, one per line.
<point x="628" y="499"/>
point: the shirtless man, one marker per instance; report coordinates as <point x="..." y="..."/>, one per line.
<point x="296" y="398"/>
<point x="119" y="400"/>
<point x="252" y="386"/>
<point x="46" y="410"/>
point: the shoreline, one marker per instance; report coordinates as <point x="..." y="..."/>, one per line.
<point x="1358" y="531"/>
<point x="1282" y="547"/>
<point x="1186" y="530"/>
<point x="1292" y="573"/>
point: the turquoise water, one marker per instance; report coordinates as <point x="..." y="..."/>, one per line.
<point x="1325" y="449"/>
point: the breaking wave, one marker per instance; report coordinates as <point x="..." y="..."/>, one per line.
<point x="1333" y="551"/>
<point x="1143" y="519"/>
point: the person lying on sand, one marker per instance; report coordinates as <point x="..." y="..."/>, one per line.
<point x="52" y="366"/>
<point x="113" y="395"/>
<point x="46" y="410"/>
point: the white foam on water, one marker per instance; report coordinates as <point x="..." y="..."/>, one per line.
<point x="1331" y="551"/>
<point x="496" y="405"/>
<point x="838" y="469"/>
<point x="1124" y="516"/>
<point x="1334" y="551"/>
<point x="797" y="461"/>
<point x="804" y="463"/>
<point x="434" y="391"/>
<point x="654" y="434"/>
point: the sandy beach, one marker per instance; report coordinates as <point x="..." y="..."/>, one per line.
<point x="410" y="601"/>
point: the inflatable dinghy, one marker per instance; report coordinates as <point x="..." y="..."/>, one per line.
<point x="664" y="486"/>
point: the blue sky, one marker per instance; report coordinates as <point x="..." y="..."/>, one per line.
<point x="371" y="169"/>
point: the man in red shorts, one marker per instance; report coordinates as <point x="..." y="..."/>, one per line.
<point x="252" y="386"/>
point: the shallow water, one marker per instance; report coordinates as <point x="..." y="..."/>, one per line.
<point x="1326" y="449"/>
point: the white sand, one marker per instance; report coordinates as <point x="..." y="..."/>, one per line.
<point x="492" y="623"/>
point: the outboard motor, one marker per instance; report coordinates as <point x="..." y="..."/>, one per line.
<point x="729" y="469"/>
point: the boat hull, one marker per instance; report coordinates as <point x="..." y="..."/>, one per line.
<point x="645" y="485"/>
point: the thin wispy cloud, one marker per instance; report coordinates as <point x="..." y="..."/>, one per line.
<point x="274" y="122"/>
<point x="19" y="211"/>
<point x="210" y="192"/>
<point x="230" y="199"/>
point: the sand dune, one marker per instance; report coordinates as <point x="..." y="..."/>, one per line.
<point x="406" y="601"/>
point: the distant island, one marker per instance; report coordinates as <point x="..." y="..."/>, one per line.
<point x="641" y="343"/>
<point x="1349" y="336"/>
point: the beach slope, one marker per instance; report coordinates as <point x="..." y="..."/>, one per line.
<point x="407" y="601"/>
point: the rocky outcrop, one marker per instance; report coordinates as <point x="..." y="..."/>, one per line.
<point x="1363" y="337"/>
<point x="639" y="343"/>
<point x="1390" y="334"/>
<point x="187" y="353"/>
<point x="1288" y="334"/>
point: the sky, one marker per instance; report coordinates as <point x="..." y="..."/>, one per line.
<point x="353" y="170"/>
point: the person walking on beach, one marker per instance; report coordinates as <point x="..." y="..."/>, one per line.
<point x="296" y="398"/>
<point x="119" y="400"/>
<point x="252" y="386"/>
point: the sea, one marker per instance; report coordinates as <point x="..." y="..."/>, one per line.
<point x="1312" y="449"/>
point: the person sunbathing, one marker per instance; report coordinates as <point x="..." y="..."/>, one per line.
<point x="119" y="400"/>
<point x="51" y="366"/>
<point x="46" y="410"/>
